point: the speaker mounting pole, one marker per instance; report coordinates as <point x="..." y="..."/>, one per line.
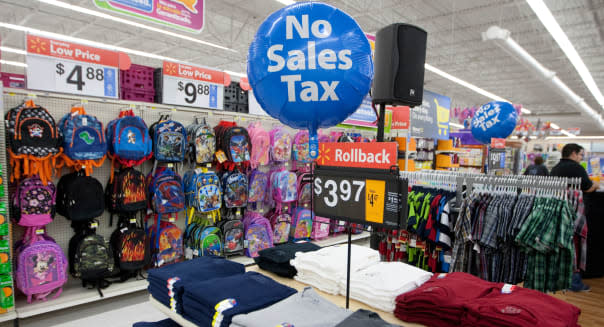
<point x="381" y="122"/>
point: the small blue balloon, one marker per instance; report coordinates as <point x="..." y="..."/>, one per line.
<point x="310" y="66"/>
<point x="495" y="119"/>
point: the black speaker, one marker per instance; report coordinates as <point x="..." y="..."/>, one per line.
<point x="400" y="55"/>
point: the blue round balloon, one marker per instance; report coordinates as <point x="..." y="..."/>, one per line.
<point x="495" y="119"/>
<point x="310" y="66"/>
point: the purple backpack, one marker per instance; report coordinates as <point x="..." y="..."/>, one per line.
<point x="281" y="223"/>
<point x="41" y="266"/>
<point x="282" y="188"/>
<point x="281" y="145"/>
<point x="257" y="186"/>
<point x="258" y="233"/>
<point x="34" y="202"/>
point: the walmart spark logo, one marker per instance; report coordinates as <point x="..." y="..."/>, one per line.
<point x="37" y="45"/>
<point x="171" y="69"/>
<point x="323" y="155"/>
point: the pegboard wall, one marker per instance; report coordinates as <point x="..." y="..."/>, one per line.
<point x="106" y="110"/>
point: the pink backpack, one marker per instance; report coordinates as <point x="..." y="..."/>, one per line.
<point x="300" y="149"/>
<point x="281" y="223"/>
<point x="282" y="188"/>
<point x="281" y="145"/>
<point x="258" y="233"/>
<point x="35" y="202"/>
<point x="261" y="144"/>
<point x="41" y="266"/>
<point x="320" y="228"/>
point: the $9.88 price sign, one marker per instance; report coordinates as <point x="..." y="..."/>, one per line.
<point x="65" y="67"/>
<point x="188" y="85"/>
<point x="367" y="198"/>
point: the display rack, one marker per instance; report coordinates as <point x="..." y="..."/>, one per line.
<point x="106" y="110"/>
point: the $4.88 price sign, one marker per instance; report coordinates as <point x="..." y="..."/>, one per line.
<point x="193" y="86"/>
<point x="370" y="198"/>
<point x="65" y="67"/>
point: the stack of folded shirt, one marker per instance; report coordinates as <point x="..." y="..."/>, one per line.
<point x="515" y="306"/>
<point x="166" y="284"/>
<point x="325" y="268"/>
<point x="441" y="300"/>
<point x="303" y="309"/>
<point x="214" y="302"/>
<point x="379" y="285"/>
<point x="161" y="323"/>
<point x="276" y="259"/>
<point x="364" y="318"/>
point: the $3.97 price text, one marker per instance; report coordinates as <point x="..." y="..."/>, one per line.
<point x="344" y="191"/>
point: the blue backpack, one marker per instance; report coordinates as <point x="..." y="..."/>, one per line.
<point x="202" y="192"/>
<point x="166" y="191"/>
<point x="83" y="136"/>
<point x="234" y="189"/>
<point x="128" y="139"/>
<point x="169" y="141"/>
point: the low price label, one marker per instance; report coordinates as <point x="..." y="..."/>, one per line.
<point x="360" y="195"/>
<point x="193" y="86"/>
<point x="65" y="67"/>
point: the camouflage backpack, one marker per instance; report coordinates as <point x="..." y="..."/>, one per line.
<point x="91" y="259"/>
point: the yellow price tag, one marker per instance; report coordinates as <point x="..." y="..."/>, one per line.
<point x="171" y="219"/>
<point x="133" y="220"/>
<point x="375" y="192"/>
<point x="40" y="231"/>
<point x="170" y="165"/>
<point x="84" y="101"/>
<point x="132" y="106"/>
<point x="221" y="156"/>
<point x="204" y="170"/>
<point x="31" y="95"/>
<point x="209" y="165"/>
<point x="238" y="213"/>
<point x="94" y="225"/>
<point x="261" y="210"/>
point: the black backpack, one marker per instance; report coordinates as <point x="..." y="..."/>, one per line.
<point x="232" y="236"/>
<point x="127" y="194"/>
<point x="130" y="248"/>
<point x="80" y="197"/>
<point x="90" y="257"/>
<point x="32" y="131"/>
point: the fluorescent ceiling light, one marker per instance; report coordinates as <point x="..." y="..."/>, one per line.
<point x="286" y="2"/>
<point x="235" y="73"/>
<point x="84" y="41"/>
<point x="552" y="26"/>
<point x="555" y="126"/>
<point x="13" y="50"/>
<point x="576" y="137"/>
<point x="131" y="23"/>
<point x="12" y="63"/>
<point x="456" y="125"/>
<point x="567" y="133"/>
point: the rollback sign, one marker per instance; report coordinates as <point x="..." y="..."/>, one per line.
<point x="310" y="66"/>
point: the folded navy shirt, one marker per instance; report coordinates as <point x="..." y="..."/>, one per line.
<point x="215" y="302"/>
<point x="161" y="323"/>
<point x="198" y="269"/>
<point x="276" y="259"/>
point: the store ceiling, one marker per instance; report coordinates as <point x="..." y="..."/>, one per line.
<point x="454" y="43"/>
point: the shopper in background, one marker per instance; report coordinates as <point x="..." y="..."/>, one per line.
<point x="569" y="166"/>
<point x="537" y="169"/>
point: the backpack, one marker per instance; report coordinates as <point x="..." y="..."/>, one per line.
<point x="34" y="202"/>
<point x="166" y="191"/>
<point x="41" y="266"/>
<point x="80" y="197"/>
<point x="33" y="140"/>
<point x="302" y="223"/>
<point x="210" y="241"/>
<point x="261" y="144"/>
<point x="304" y="189"/>
<point x="281" y="145"/>
<point x="257" y="187"/>
<point x="320" y="228"/>
<point x="235" y="189"/>
<point x="283" y="187"/>
<point x="168" y="246"/>
<point x="234" y="141"/>
<point x="83" y="139"/>
<point x="127" y="193"/>
<point x="258" y="233"/>
<point x="202" y="143"/>
<point x="232" y="236"/>
<point x="128" y="139"/>
<point x="202" y="190"/>
<point x="90" y="258"/>
<point x="300" y="149"/>
<point x="169" y="140"/>
<point x="130" y="247"/>
<point x="281" y="224"/>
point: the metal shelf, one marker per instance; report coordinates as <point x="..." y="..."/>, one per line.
<point x="10" y="315"/>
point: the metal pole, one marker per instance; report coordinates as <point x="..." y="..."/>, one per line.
<point x="348" y="266"/>
<point x="374" y="240"/>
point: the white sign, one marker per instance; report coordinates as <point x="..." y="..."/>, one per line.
<point x="192" y="86"/>
<point x="59" y="66"/>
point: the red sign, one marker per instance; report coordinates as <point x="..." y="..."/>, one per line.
<point x="379" y="155"/>
<point x="67" y="50"/>
<point x="193" y="72"/>
<point x="400" y="117"/>
<point x="497" y="143"/>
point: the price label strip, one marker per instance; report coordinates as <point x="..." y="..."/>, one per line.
<point x="193" y="86"/>
<point x="66" y="67"/>
<point x="365" y="196"/>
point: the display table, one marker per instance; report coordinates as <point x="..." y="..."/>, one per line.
<point x="337" y="299"/>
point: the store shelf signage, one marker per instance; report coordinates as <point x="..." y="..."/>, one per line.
<point x="400" y="117"/>
<point x="59" y="66"/>
<point x="310" y="66"/>
<point x="431" y="119"/>
<point x="360" y="195"/>
<point x="378" y="155"/>
<point x="186" y="15"/>
<point x="188" y="85"/>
